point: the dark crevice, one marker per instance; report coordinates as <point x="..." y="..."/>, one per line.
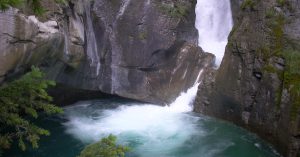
<point x="18" y="40"/>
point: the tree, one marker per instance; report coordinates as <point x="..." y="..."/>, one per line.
<point x="107" y="147"/>
<point x="21" y="101"/>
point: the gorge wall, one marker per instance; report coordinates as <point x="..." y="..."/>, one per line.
<point x="147" y="50"/>
<point x="257" y="85"/>
<point x="144" y="50"/>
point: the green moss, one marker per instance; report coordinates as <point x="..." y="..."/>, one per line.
<point x="143" y="35"/>
<point x="292" y="80"/>
<point x="248" y="4"/>
<point x="275" y="48"/>
<point x="280" y="46"/>
<point x="270" y="13"/>
<point x="293" y="59"/>
<point x="264" y="52"/>
<point x="281" y="2"/>
<point x="278" y="32"/>
<point x="270" y="69"/>
<point x="178" y="10"/>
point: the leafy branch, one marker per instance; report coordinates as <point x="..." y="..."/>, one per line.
<point x="21" y="101"/>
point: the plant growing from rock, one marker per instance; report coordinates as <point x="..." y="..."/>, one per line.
<point x="178" y="9"/>
<point x="248" y="4"/>
<point x="35" y="5"/>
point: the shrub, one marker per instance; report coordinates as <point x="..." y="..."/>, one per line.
<point x="107" y="147"/>
<point x="21" y="101"/>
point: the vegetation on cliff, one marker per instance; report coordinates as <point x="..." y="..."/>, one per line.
<point x="35" y="5"/>
<point x="107" y="147"/>
<point x="177" y="9"/>
<point x="284" y="48"/>
<point x="21" y="101"/>
<point x="247" y="4"/>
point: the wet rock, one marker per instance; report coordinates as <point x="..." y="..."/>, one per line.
<point x="251" y="83"/>
<point x="145" y="50"/>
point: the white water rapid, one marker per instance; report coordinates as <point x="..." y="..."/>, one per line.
<point x="150" y="126"/>
<point x="214" y="23"/>
<point x="157" y="131"/>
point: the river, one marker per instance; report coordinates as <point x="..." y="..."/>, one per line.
<point x="150" y="130"/>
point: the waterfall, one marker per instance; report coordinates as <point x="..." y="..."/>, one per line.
<point x="91" y="44"/>
<point x="89" y="122"/>
<point x="214" y="23"/>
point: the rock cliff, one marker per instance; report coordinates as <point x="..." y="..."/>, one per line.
<point x="257" y="85"/>
<point x="145" y="50"/>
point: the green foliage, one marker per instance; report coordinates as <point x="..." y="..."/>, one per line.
<point x="292" y="80"/>
<point x="143" y="35"/>
<point x="107" y="147"/>
<point x="275" y="23"/>
<point x="270" y="69"/>
<point x="35" y="5"/>
<point x="283" y="48"/>
<point x="281" y="2"/>
<point x="292" y="57"/>
<point x="270" y="13"/>
<point x="178" y="10"/>
<point x="5" y="4"/>
<point x="21" y="101"/>
<point x="248" y="4"/>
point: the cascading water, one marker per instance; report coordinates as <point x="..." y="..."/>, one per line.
<point x="170" y="131"/>
<point x="91" y="46"/>
<point x="214" y="23"/>
<point x="130" y="118"/>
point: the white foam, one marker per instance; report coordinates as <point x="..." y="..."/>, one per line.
<point x="160" y="128"/>
<point x="183" y="103"/>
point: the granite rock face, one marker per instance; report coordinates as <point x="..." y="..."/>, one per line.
<point x="257" y="85"/>
<point x="144" y="50"/>
<point x="25" y="41"/>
